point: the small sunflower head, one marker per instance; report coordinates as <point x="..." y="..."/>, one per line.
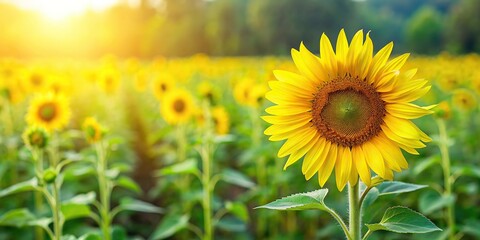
<point x="36" y="137"/>
<point x="94" y="132"/>
<point x="443" y="110"/>
<point x="49" y="110"/>
<point x="464" y="99"/>
<point x="177" y="106"/>
<point x="221" y="121"/>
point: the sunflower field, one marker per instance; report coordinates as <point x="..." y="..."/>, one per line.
<point x="239" y="119"/>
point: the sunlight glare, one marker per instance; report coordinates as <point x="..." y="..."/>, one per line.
<point x="61" y="9"/>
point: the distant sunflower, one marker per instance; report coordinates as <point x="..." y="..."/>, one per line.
<point x="221" y="120"/>
<point x="161" y="85"/>
<point x="109" y="80"/>
<point x="49" y="110"/>
<point x="347" y="110"/>
<point x="93" y="130"/>
<point x="177" y="106"/>
<point x="464" y="99"/>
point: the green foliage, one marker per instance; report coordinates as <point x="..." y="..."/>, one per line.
<point x="403" y="220"/>
<point x="171" y="224"/>
<point x="424" y="31"/>
<point x="394" y="187"/>
<point x="300" y="201"/>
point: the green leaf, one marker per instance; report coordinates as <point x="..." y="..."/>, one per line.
<point x="90" y="236"/>
<point x="171" y="224"/>
<point x="394" y="187"/>
<point x="231" y="224"/>
<point x="29" y="185"/>
<point x="470" y="171"/>
<point x="426" y="163"/>
<point x="300" y="201"/>
<point x="68" y="237"/>
<point x="371" y="197"/>
<point x="16" y="218"/>
<point x="87" y="198"/>
<point x="431" y="201"/>
<point x="74" y="210"/>
<point x="472" y="227"/>
<point x="403" y="220"/>
<point x="40" y="222"/>
<point x="237" y="178"/>
<point x="128" y="183"/>
<point x="188" y="166"/>
<point x="138" y="206"/>
<point x="238" y="209"/>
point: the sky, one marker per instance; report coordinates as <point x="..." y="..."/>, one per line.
<point x="61" y="9"/>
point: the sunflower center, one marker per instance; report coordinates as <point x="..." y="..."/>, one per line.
<point x="347" y="111"/>
<point x="179" y="106"/>
<point x="47" y="112"/>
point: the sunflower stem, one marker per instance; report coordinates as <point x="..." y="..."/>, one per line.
<point x="104" y="190"/>
<point x="340" y="221"/>
<point x="206" y="155"/>
<point x="354" y="211"/>
<point x="38" y="161"/>
<point x="447" y="178"/>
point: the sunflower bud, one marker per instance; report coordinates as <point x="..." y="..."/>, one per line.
<point x="49" y="175"/>
<point x="35" y="137"/>
<point x="443" y="110"/>
<point x="94" y="132"/>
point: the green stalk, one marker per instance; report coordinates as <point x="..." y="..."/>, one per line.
<point x="447" y="178"/>
<point x="104" y="191"/>
<point x="57" y="222"/>
<point x="38" y="161"/>
<point x="354" y="211"/>
<point x="206" y="177"/>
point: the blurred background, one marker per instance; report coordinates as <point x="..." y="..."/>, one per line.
<point x="147" y="28"/>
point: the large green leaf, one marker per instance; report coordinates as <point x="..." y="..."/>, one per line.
<point x="431" y="201"/>
<point x="238" y="209"/>
<point x="74" y="210"/>
<point x="300" y="201"/>
<point x="136" y="205"/>
<point x="86" y="198"/>
<point x="188" y="166"/>
<point x="403" y="220"/>
<point x="171" y="224"/>
<point x="128" y="183"/>
<point x="29" y="185"/>
<point x="231" y="224"/>
<point x="394" y="187"/>
<point x="237" y="178"/>
<point x="16" y="218"/>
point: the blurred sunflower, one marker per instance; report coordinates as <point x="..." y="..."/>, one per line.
<point x="177" y="106"/>
<point x="35" y="137"/>
<point x="347" y="110"/>
<point x="221" y="120"/>
<point x="93" y="130"/>
<point x="141" y="80"/>
<point x="49" y="110"/>
<point x="464" y="99"/>
<point x="161" y="85"/>
<point x="109" y="80"/>
<point x="246" y="92"/>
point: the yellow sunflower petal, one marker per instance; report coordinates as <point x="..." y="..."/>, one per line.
<point x="408" y="110"/>
<point x="301" y="152"/>
<point x="327" y="55"/>
<point x="315" y="158"/>
<point x="374" y="158"/>
<point x="361" y="165"/>
<point x="343" y="167"/>
<point x="326" y="170"/>
<point x="299" y="140"/>
<point x="379" y="61"/>
<point x="287" y="110"/>
<point x="294" y="79"/>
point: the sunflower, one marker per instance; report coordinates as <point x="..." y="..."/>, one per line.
<point x="35" y="137"/>
<point x="177" y="106"/>
<point x="221" y="120"/>
<point x="464" y="99"/>
<point x="347" y="110"/>
<point x="93" y="130"/>
<point x="49" y="110"/>
<point x="248" y="93"/>
<point x="161" y="85"/>
<point x="109" y="80"/>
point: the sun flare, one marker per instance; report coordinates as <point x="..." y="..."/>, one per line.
<point x="61" y="9"/>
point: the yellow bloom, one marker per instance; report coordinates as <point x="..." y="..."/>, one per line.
<point x="464" y="99"/>
<point x="347" y="110"/>
<point x="109" y="80"/>
<point x="246" y="92"/>
<point x="221" y="120"/>
<point x="141" y="80"/>
<point x="443" y="110"/>
<point x="35" y="137"/>
<point x="49" y="110"/>
<point x="177" y="106"/>
<point x="162" y="85"/>
<point x="93" y="130"/>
